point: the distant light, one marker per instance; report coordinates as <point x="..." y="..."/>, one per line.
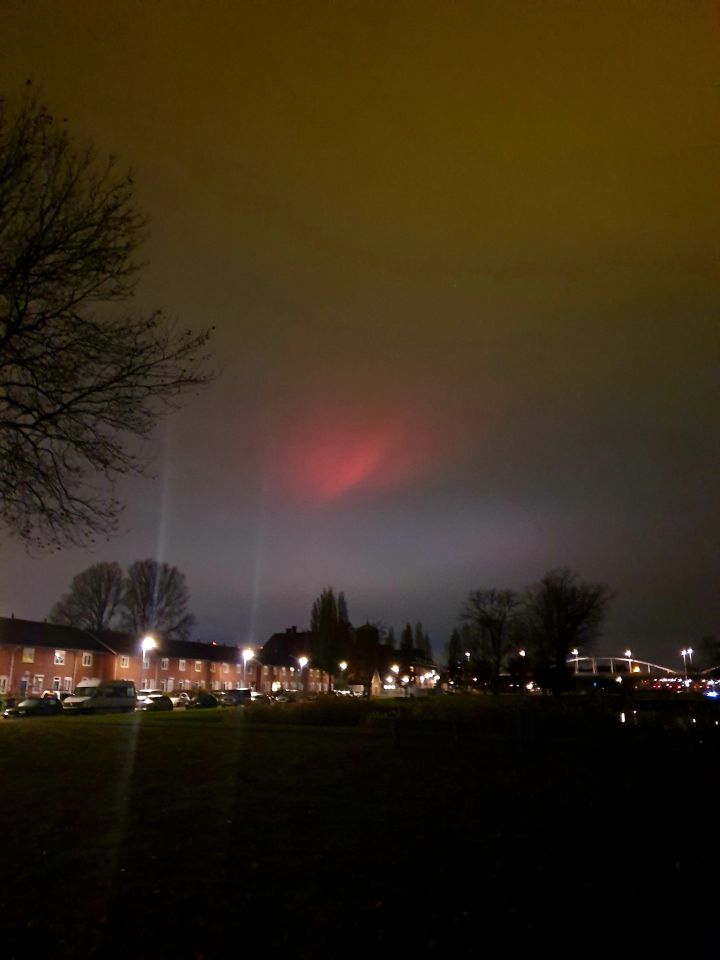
<point x="711" y="693"/>
<point x="247" y="654"/>
<point x="395" y="668"/>
<point x="343" y="665"/>
<point x="303" y="661"/>
<point x="521" y="653"/>
<point x="148" y="643"/>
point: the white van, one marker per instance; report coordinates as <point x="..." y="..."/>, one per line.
<point x="93" y="696"/>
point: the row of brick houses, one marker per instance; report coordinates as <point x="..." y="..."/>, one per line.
<point x="38" y="656"/>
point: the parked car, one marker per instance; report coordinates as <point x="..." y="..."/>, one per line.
<point x="235" y="698"/>
<point x="93" y="696"/>
<point x="155" y="700"/>
<point x="35" y="707"/>
<point x="56" y="694"/>
<point x="203" y="700"/>
<point x="180" y="699"/>
<point x="257" y="697"/>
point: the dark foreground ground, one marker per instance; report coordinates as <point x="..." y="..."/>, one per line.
<point x="203" y="835"/>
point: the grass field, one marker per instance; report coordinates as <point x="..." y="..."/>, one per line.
<point x="202" y="835"/>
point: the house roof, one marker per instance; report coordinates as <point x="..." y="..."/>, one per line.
<point x="32" y="633"/>
<point x="284" y="649"/>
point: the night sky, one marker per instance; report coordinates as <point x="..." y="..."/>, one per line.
<point x="463" y="263"/>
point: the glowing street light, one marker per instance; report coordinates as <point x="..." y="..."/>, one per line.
<point x="343" y="666"/>
<point x="395" y="668"/>
<point x="575" y="652"/>
<point x="628" y="654"/>
<point x="148" y="643"/>
<point x="303" y="661"/>
<point x="247" y="655"/>
<point x="686" y="654"/>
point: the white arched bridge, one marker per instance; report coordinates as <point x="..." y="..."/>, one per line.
<point x="616" y="666"/>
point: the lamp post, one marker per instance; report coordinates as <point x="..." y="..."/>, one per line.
<point x="148" y="643"/>
<point x="303" y="661"/>
<point x="247" y="655"/>
<point x="522" y="654"/>
<point x="575" y="653"/>
<point x="628" y="654"/>
<point x="686" y="654"/>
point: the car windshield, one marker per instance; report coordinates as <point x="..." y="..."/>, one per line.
<point x="86" y="691"/>
<point x="30" y="702"/>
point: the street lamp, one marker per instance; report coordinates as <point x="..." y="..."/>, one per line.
<point x="247" y="655"/>
<point x="575" y="652"/>
<point x="303" y="661"/>
<point x="686" y="654"/>
<point x="628" y="654"/>
<point x="148" y="643"/>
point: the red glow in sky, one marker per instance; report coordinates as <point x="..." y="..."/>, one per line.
<point x="323" y="462"/>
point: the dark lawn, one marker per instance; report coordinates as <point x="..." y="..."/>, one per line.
<point x="200" y="835"/>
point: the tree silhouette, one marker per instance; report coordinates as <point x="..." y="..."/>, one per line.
<point x="82" y="375"/>
<point x="155" y="600"/>
<point x="560" y="613"/>
<point x="93" y="600"/>
<point x="491" y="616"/>
<point x="328" y="631"/>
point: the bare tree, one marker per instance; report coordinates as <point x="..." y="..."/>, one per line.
<point x="562" y="613"/>
<point x="93" y="599"/>
<point x="79" y="380"/>
<point x="155" y="600"/>
<point x="491" y="616"/>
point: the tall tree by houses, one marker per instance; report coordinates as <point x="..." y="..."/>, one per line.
<point x="94" y="599"/>
<point x="155" y="600"/>
<point x="327" y="629"/>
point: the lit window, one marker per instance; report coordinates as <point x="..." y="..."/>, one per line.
<point x="86" y="661"/>
<point x="57" y="683"/>
<point x="59" y="657"/>
<point x="38" y="682"/>
<point x="212" y="668"/>
<point x="125" y="662"/>
<point x="164" y="664"/>
<point x="67" y="683"/>
<point x="3" y="684"/>
<point x="198" y="666"/>
<point x="181" y="665"/>
<point x="226" y="668"/>
<point x="28" y="654"/>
